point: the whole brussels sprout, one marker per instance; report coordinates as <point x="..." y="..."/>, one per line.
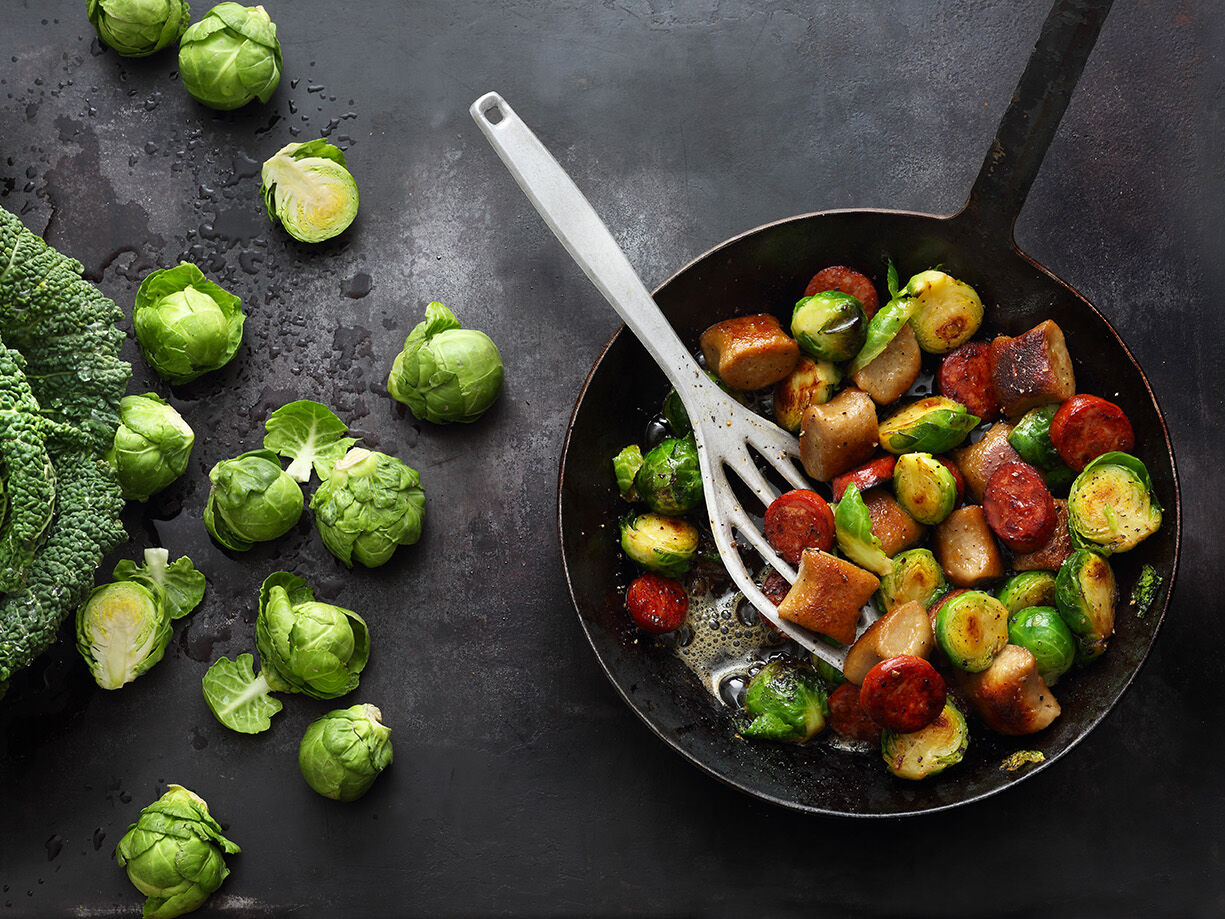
<point x="1042" y="631"/>
<point x="446" y="373"/>
<point x="175" y="854"/>
<point x="309" y="190"/>
<point x="343" y="752"/>
<point x="152" y="446"/>
<point x="136" y="28"/>
<point x="787" y="701"/>
<point x="252" y="499"/>
<point x="231" y="56"/>
<point x="369" y="504"/>
<point x="662" y="544"/>
<point x="830" y="326"/>
<point x="670" y="479"/>
<point x="186" y="324"/>
<point x="307" y="646"/>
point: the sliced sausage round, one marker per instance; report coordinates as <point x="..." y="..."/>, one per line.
<point x="847" y="281"/>
<point x="1086" y="426"/>
<point x="869" y="475"/>
<point x="903" y="693"/>
<point x="799" y="520"/>
<point x="657" y="604"/>
<point x="775" y="587"/>
<point x="965" y="377"/>
<point x="957" y="476"/>
<point x="847" y="717"/>
<point x="1019" y="507"/>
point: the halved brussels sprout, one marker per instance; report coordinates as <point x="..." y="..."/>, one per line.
<point x="916" y="576"/>
<point x="931" y="425"/>
<point x="853" y="530"/>
<point x="122" y="631"/>
<point x="1031" y="438"/>
<point x="1085" y="592"/>
<point x="625" y="467"/>
<point x="811" y="383"/>
<point x="308" y="188"/>
<point x="231" y="56"/>
<point x="670" y="479"/>
<point x="925" y="487"/>
<point x="252" y="499"/>
<point x="882" y="329"/>
<point x="1111" y="506"/>
<point x="971" y="628"/>
<point x="186" y="324"/>
<point x="666" y="545"/>
<point x="152" y="446"/>
<point x="829" y="325"/>
<point x="136" y="28"/>
<point x="1042" y="631"/>
<point x="929" y="750"/>
<point x="1029" y="588"/>
<point x="949" y="311"/>
<point x="787" y="702"/>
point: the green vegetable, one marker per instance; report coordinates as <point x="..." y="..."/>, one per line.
<point x="625" y="466"/>
<point x="310" y="435"/>
<point x="175" y="854"/>
<point x="1029" y="588"/>
<point x="853" y="530"/>
<point x="925" y="487"/>
<point x="927" y="751"/>
<point x="971" y="628"/>
<point x="237" y="697"/>
<point x="136" y="28"/>
<point x="446" y="373"/>
<point x="832" y="676"/>
<point x="231" y="56"/>
<point x="882" y="329"/>
<point x="830" y="325"/>
<point x="1043" y="632"/>
<point x="307" y="646"/>
<point x="251" y="500"/>
<point x="1144" y="593"/>
<point x="1111" y="506"/>
<point x="811" y="383"/>
<point x="343" y="752"/>
<point x="931" y="425"/>
<point x="949" y="311"/>
<point x="186" y="324"/>
<point x="1085" y="592"/>
<point x="152" y="445"/>
<point x="61" y="380"/>
<point x="674" y="409"/>
<point x="662" y="544"/>
<point x="178" y="586"/>
<point x="1015" y="761"/>
<point x="670" y="479"/>
<point x="309" y="189"/>
<point x="1031" y="438"/>
<point x="916" y="576"/>
<point x="369" y="505"/>
<point x="787" y="702"/>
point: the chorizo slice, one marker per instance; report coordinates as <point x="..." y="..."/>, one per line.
<point x="1019" y="507"/>
<point x="979" y="461"/>
<point x="1087" y="426"/>
<point x="847" y="717"/>
<point x="847" y="281"/>
<point x="869" y="475"/>
<point x="903" y="694"/>
<point x="965" y="377"/>
<point x="798" y="520"/>
<point x="657" y="604"/>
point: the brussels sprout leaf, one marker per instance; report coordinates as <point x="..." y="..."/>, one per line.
<point x="310" y="435"/>
<point x="891" y="279"/>
<point x="853" y="528"/>
<point x="239" y="698"/>
<point x="178" y="584"/>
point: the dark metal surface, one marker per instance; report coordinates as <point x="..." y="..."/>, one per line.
<point x="522" y="783"/>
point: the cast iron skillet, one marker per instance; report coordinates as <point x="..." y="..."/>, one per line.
<point x="770" y="266"/>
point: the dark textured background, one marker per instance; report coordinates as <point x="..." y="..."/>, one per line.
<point x="522" y="782"/>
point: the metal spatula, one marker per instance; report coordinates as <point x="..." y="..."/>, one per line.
<point x="723" y="429"/>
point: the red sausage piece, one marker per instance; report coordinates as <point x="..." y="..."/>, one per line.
<point x="847" y="717"/>
<point x="799" y="520"/>
<point x="903" y="693"/>
<point x="657" y="604"/>
<point x="1019" y="507"/>
<point x="848" y="281"/>
<point x="1085" y="427"/>
<point x="965" y="377"/>
<point x="957" y="476"/>
<point x="775" y="587"/>
<point x="869" y="475"/>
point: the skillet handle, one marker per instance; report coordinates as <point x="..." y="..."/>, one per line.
<point x="1033" y="115"/>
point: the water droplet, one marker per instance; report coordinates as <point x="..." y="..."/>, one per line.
<point x="54" y="846"/>
<point x="357" y="286"/>
<point x="732" y="688"/>
<point x="99" y="835"/>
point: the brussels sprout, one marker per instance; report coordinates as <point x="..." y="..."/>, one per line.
<point x="310" y="435"/>
<point x="666" y="545"/>
<point x="308" y="188"/>
<point x="1144" y="593"/>
<point x="931" y="425"/>
<point x="136" y="28"/>
<point x="831" y="675"/>
<point x="811" y="383"/>
<point x="1031" y="438"/>
<point x="1029" y="588"/>
<point x="307" y="646"/>
<point x="1042" y="631"/>
<point x="670" y="479"/>
<point x="1085" y="592"/>
<point x="925" y="487"/>
<point x="882" y="329"/>
<point x="916" y="576"/>
<point x="446" y="373"/>
<point x="231" y="56"/>
<point x="371" y="504"/>
<point x="251" y="500"/>
<point x="949" y="311"/>
<point x="186" y="324"/>
<point x="929" y="750"/>
<point x="177" y="585"/>
<point x="829" y="325"/>
<point x="152" y="446"/>
<point x="343" y="752"/>
<point x="971" y="628"/>
<point x="853" y="530"/>
<point x="787" y="702"/>
<point x="237" y="697"/>
<point x="1111" y="506"/>
<point x="121" y="633"/>
<point x="175" y="854"/>
<point x="625" y="467"/>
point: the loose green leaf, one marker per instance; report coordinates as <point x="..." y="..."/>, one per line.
<point x="238" y="697"/>
<point x="178" y="584"/>
<point x="1021" y="758"/>
<point x="309" y="434"/>
<point x="853" y="529"/>
<point x="1145" y="591"/>
<point x="882" y="329"/>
